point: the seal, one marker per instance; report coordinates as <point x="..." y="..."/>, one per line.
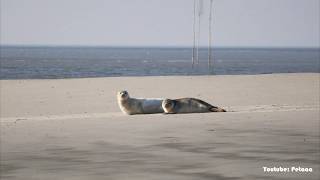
<point x="132" y="106"/>
<point x="188" y="105"/>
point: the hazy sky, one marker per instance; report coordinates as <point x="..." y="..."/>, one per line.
<point x="158" y="22"/>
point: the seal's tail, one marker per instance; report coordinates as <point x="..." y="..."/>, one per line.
<point x="217" y="109"/>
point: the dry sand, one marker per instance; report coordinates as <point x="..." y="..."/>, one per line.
<point x="73" y="129"/>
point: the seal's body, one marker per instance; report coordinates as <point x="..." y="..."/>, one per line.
<point x="188" y="105"/>
<point x="138" y="106"/>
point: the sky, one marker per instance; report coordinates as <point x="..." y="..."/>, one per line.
<point x="236" y="23"/>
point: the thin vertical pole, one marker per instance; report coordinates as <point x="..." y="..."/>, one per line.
<point x="200" y="2"/>
<point x="210" y="37"/>
<point x="194" y="32"/>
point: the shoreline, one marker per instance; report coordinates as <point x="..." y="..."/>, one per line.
<point x="191" y="75"/>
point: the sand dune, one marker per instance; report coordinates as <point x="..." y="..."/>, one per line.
<point x="73" y="129"/>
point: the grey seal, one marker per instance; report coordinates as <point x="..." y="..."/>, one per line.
<point x="188" y="105"/>
<point x="132" y="106"/>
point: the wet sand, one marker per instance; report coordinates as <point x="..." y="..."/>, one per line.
<point x="73" y="129"/>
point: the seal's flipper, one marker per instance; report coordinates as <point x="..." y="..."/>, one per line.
<point x="217" y="109"/>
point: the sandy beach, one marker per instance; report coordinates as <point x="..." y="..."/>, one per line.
<point x="73" y="129"/>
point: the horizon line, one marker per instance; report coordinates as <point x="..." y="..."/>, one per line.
<point x="154" y="46"/>
<point x="150" y="46"/>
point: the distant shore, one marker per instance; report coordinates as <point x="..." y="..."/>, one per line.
<point x="73" y="128"/>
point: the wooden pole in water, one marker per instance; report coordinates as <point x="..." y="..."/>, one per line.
<point x="210" y="37"/>
<point x="200" y="3"/>
<point x="194" y="32"/>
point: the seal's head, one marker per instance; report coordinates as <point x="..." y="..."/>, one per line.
<point x="168" y="105"/>
<point x="123" y="95"/>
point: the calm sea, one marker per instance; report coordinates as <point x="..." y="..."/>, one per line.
<point x="77" y="62"/>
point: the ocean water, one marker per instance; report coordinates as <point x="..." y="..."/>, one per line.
<point x="78" y="62"/>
